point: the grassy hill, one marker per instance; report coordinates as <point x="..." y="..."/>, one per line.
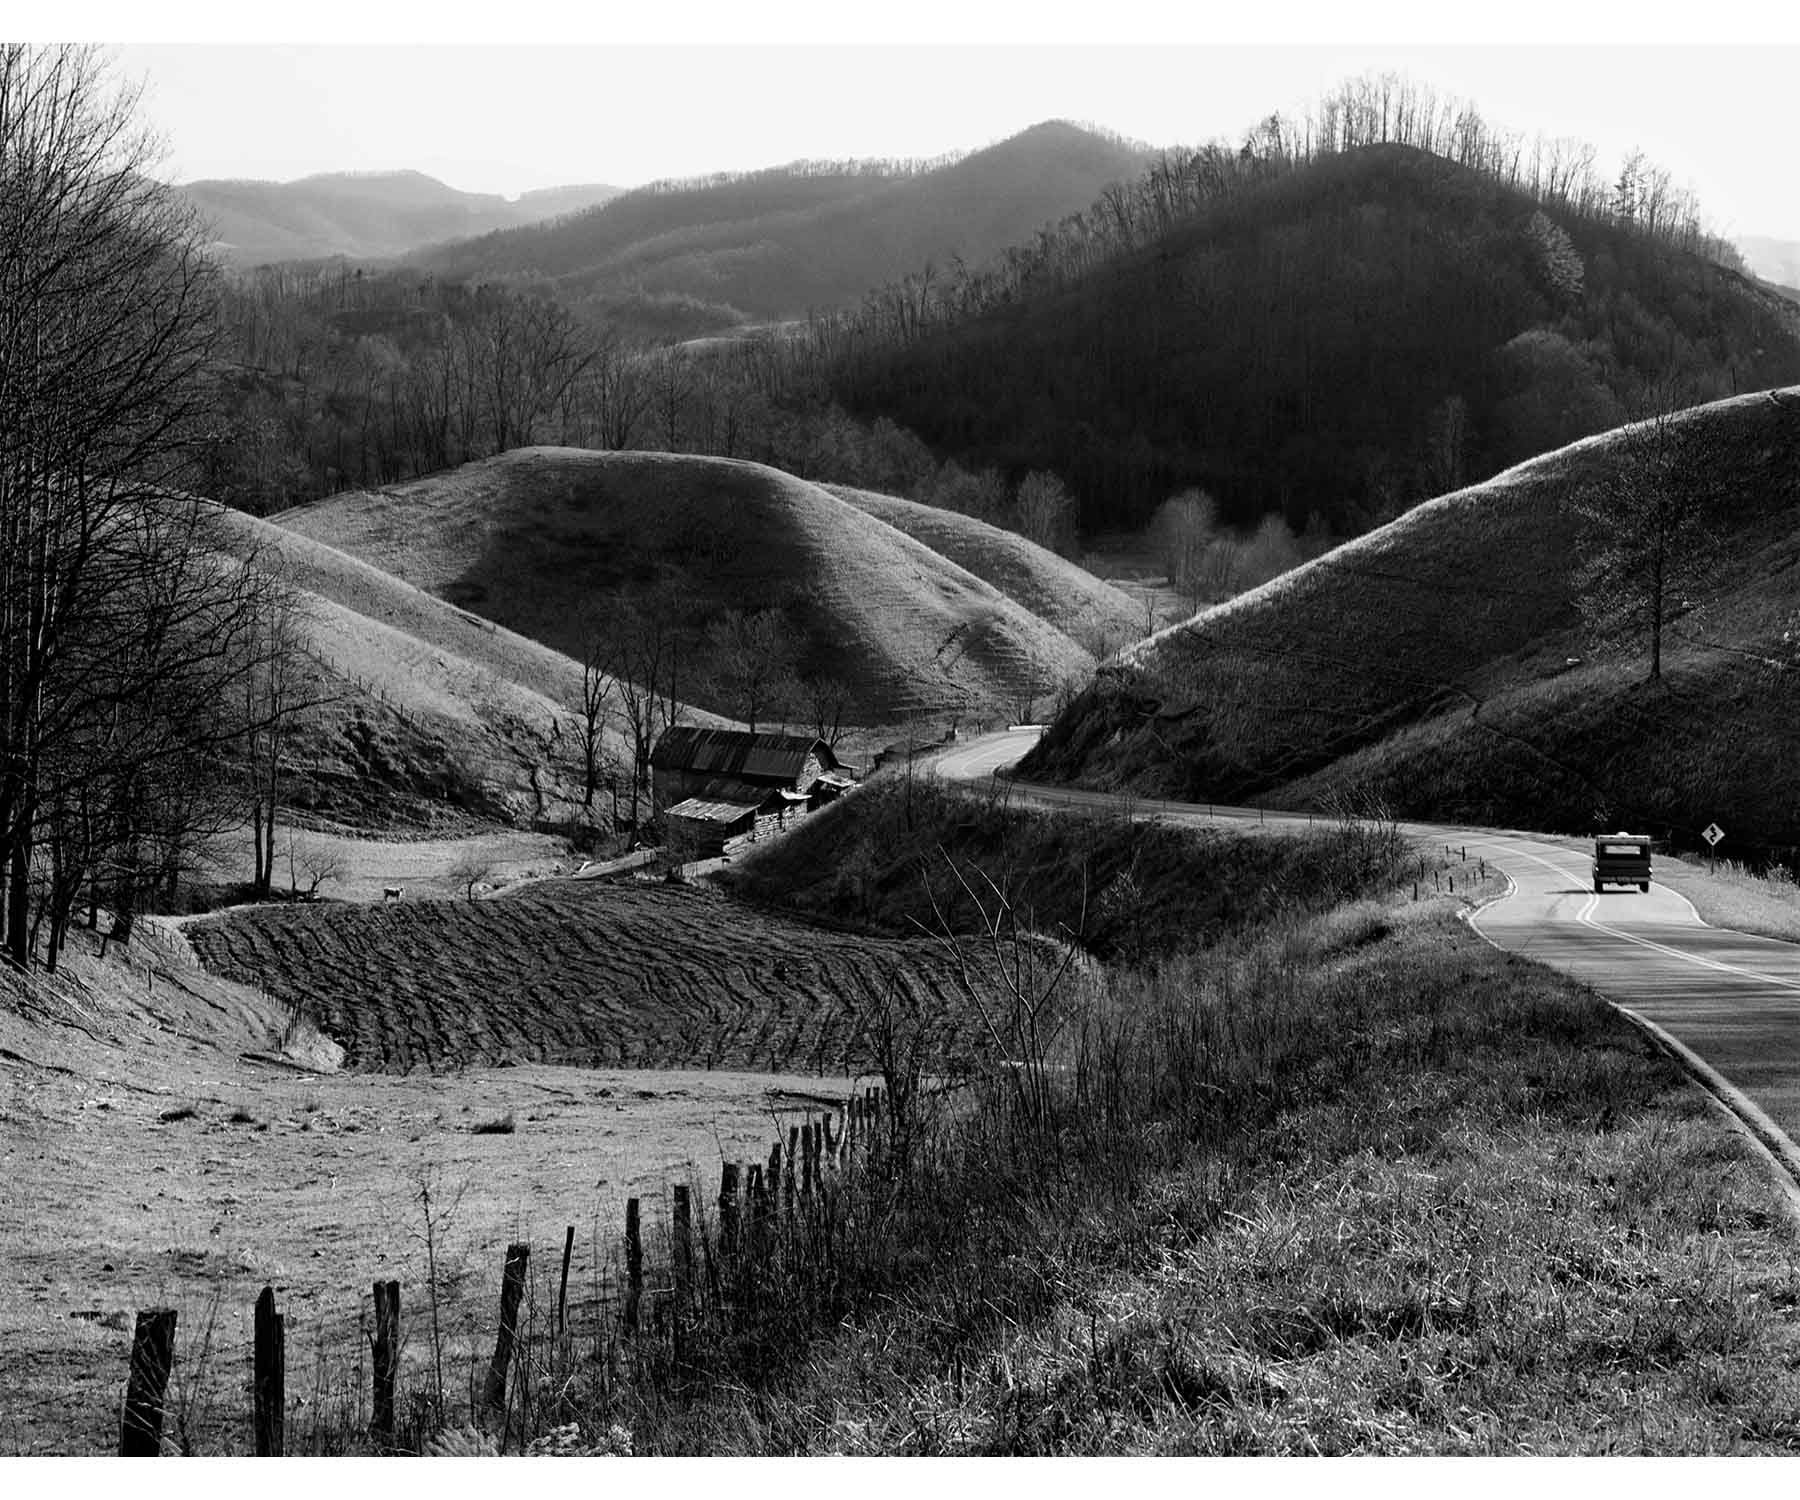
<point x="1078" y="604"/>
<point x="539" y="538"/>
<point x="1344" y="337"/>
<point x="362" y="214"/>
<point x="1438" y="664"/>
<point x="429" y="714"/>
<point x="773" y="244"/>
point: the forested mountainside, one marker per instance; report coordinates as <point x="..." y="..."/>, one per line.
<point x="1342" y="338"/>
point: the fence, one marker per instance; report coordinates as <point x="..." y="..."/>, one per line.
<point x="780" y="1244"/>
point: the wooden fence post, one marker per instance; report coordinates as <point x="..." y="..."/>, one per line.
<point x="793" y="1160"/>
<point x="562" y="1290"/>
<point x="269" y="1384"/>
<point x="684" y="1247"/>
<point x="728" y="1209"/>
<point x="152" y="1357"/>
<point x="387" y="1357"/>
<point x="512" y="1291"/>
<point x="634" y="1265"/>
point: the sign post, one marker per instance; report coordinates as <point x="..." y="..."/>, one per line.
<point x="1712" y="833"/>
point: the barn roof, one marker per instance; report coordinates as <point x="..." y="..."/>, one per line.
<point x="736" y="752"/>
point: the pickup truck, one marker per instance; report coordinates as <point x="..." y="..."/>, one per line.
<point x="1622" y="859"/>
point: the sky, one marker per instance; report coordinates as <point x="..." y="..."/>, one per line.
<point x="560" y="97"/>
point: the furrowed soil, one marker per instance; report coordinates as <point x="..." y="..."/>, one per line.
<point x="589" y="974"/>
<point x="158" y="1150"/>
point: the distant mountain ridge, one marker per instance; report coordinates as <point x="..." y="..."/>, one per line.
<point x="777" y="243"/>
<point x="363" y="215"/>
<point x="1340" y="337"/>
<point x="1772" y="259"/>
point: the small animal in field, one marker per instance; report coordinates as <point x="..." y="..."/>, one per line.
<point x="392" y="892"/>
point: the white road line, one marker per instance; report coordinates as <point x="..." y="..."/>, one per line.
<point x="1718" y="966"/>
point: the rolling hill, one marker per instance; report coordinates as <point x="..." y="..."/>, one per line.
<point x="1343" y="336"/>
<point x="538" y="538"/>
<point x="429" y="714"/>
<point x="1437" y="666"/>
<point x="1088" y="611"/>
<point x="774" y="244"/>
<point x="363" y="215"/>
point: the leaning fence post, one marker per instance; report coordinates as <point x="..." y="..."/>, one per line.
<point x="634" y="1265"/>
<point x="269" y="1385"/>
<point x="152" y="1356"/>
<point x="562" y="1290"/>
<point x="512" y="1290"/>
<point x="793" y="1160"/>
<point x="387" y="1356"/>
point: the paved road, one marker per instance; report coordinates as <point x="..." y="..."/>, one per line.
<point x="1732" y="1000"/>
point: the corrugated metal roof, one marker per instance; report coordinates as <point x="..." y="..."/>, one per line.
<point x="701" y="811"/>
<point x="737" y="752"/>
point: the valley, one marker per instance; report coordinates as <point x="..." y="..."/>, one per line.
<point x="894" y="805"/>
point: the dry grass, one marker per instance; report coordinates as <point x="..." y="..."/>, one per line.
<point x="1401" y="1196"/>
<point x="1726" y="894"/>
<point x="532" y="538"/>
<point x="1428" y="664"/>
<point x="1095" y="614"/>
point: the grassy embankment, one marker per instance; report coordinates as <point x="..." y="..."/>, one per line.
<point x="1438" y="665"/>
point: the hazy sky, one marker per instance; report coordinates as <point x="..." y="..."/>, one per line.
<point x="503" y="116"/>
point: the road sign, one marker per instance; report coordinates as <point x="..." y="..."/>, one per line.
<point x="1713" y="834"/>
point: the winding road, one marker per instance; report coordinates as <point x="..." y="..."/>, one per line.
<point x="1727" y="1004"/>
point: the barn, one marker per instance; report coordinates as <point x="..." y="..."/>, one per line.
<point x="721" y="787"/>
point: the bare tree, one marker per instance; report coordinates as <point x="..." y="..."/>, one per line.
<point x="1045" y="511"/>
<point x="751" y="659"/>
<point x="314" y="862"/>
<point x="1648" y="543"/>
<point x="597" y="686"/>
<point x="123" y="620"/>
<point x="471" y="868"/>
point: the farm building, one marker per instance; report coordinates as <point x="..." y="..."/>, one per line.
<point x="721" y="787"/>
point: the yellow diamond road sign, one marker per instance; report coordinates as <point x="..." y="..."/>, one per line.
<point x="1713" y="834"/>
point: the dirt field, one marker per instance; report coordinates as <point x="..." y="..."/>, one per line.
<point x="586" y="973"/>
<point x="155" y="1153"/>
<point x="363" y="867"/>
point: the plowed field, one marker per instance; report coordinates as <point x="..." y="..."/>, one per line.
<point x="583" y="973"/>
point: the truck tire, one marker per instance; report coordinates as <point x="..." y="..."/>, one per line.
<point x="1644" y="886"/>
<point x="1599" y="887"/>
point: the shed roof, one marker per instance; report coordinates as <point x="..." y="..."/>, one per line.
<point x="699" y="810"/>
<point x="737" y="752"/>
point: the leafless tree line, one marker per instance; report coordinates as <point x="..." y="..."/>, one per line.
<point x="135" y="647"/>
